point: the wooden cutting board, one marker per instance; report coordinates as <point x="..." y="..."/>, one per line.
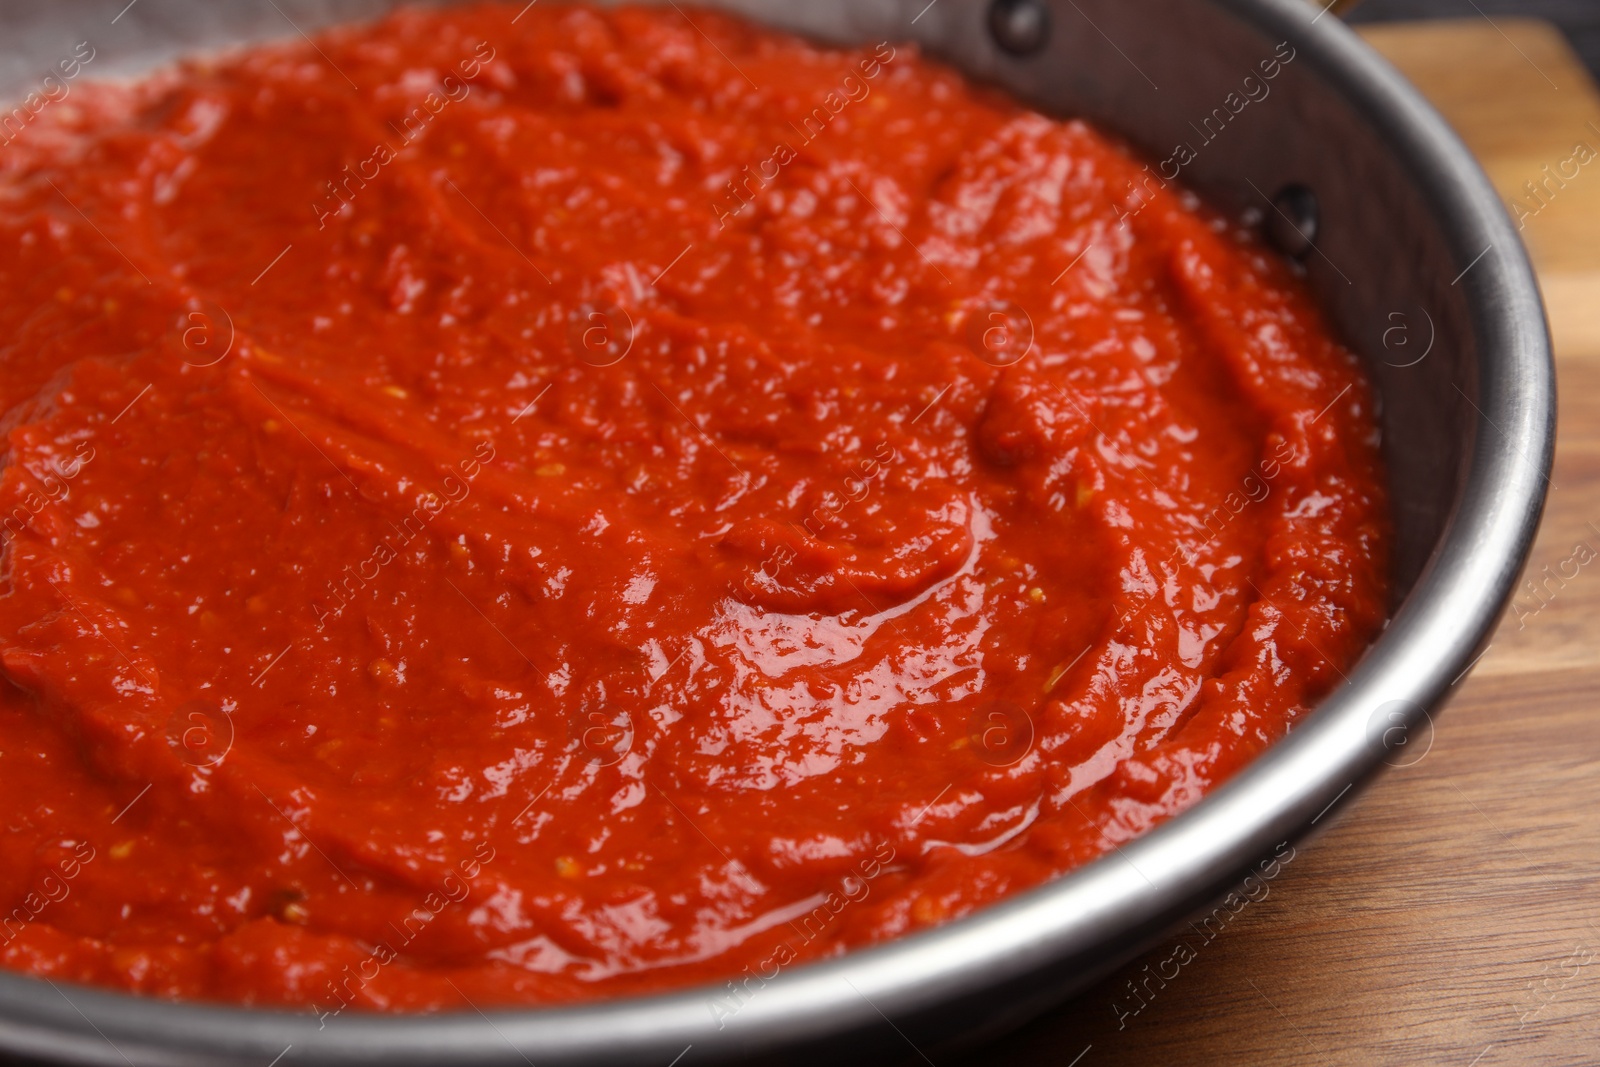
<point x="1452" y="916"/>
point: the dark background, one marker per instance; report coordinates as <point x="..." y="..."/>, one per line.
<point x="1578" y="19"/>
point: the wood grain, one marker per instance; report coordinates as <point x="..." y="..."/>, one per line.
<point x="1453" y="915"/>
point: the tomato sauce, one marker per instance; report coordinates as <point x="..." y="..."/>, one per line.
<point x="524" y="507"/>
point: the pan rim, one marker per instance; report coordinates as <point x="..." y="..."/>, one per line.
<point x="1137" y="891"/>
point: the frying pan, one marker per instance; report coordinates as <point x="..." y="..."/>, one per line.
<point x="1348" y="171"/>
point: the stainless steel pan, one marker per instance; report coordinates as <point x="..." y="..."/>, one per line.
<point x="1350" y="171"/>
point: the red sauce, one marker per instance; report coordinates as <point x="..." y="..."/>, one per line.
<point x="556" y="506"/>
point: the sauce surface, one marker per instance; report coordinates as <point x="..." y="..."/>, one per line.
<point x="544" y="507"/>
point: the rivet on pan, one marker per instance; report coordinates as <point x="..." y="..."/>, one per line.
<point x="1292" y="224"/>
<point x="1020" y="27"/>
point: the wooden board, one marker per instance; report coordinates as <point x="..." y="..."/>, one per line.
<point x="1453" y="915"/>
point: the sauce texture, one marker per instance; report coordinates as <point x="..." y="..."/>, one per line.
<point x="527" y="508"/>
